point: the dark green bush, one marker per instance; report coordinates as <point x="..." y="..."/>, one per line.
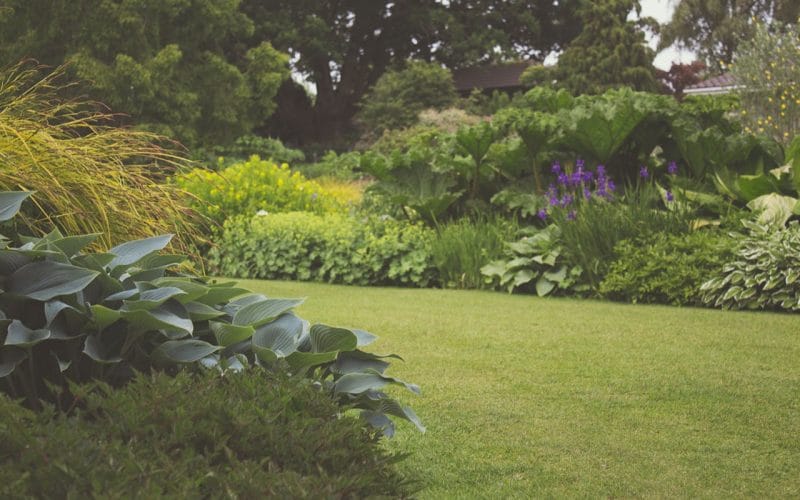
<point x="666" y="268"/>
<point x="764" y="273"/>
<point x="332" y="248"/>
<point x="244" y="435"/>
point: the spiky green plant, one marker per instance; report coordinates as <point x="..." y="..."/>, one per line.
<point x="88" y="175"/>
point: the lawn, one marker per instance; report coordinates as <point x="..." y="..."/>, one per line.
<point x="554" y="397"/>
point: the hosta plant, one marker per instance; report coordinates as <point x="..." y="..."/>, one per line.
<point x="69" y="316"/>
<point x="535" y="259"/>
<point x="764" y="274"/>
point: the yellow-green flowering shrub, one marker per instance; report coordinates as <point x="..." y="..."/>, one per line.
<point x="257" y="185"/>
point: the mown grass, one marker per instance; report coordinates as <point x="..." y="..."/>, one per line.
<point x="528" y="397"/>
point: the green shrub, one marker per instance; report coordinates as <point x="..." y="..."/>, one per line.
<point x="331" y="248"/>
<point x="397" y="98"/>
<point x="345" y="166"/>
<point x="666" y="268"/>
<point x="764" y="272"/>
<point x="250" y="435"/>
<point x="248" y="187"/>
<point x="536" y="263"/>
<point x="66" y="316"/>
<point x="264" y="147"/>
<point x="461" y="248"/>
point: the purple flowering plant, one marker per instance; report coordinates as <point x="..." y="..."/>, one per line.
<point x="574" y="187"/>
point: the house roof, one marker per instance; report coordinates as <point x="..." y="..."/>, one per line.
<point x="499" y="76"/>
<point x="715" y="85"/>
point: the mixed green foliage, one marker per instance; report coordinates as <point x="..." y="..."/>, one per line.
<point x="332" y="248"/>
<point x="252" y="434"/>
<point x="190" y="69"/>
<point x="764" y="272"/>
<point x="254" y="185"/>
<point x="666" y="268"/>
<point x="398" y="97"/>
<point x="68" y="316"/>
<point x="536" y="262"/>
<point x="252" y="145"/>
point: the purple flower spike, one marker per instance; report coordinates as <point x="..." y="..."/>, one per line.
<point x="588" y="176"/>
<point x="556" y="168"/>
<point x="586" y="193"/>
<point x="553" y="200"/>
<point x="571" y="215"/>
<point x="579" y="163"/>
<point x="542" y="214"/>
<point x="611" y="186"/>
<point x="601" y="171"/>
<point x="563" y="179"/>
<point x="643" y="173"/>
<point x="670" y="196"/>
<point x="566" y="200"/>
<point x="672" y="168"/>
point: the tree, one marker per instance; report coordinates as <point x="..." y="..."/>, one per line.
<point x="713" y="28"/>
<point x="767" y="71"/>
<point x="344" y="46"/>
<point x="609" y="52"/>
<point x="187" y="68"/>
<point x="398" y="97"/>
<point x="679" y="76"/>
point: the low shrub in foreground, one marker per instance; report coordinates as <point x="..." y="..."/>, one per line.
<point x="255" y="185"/>
<point x="666" y="268"/>
<point x="250" y="435"/>
<point x="763" y="274"/>
<point x="332" y="248"/>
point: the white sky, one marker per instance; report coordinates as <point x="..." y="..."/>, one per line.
<point x="661" y="10"/>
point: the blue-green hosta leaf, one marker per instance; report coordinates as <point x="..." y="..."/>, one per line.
<point x="184" y="351"/>
<point x="299" y="361"/>
<point x="54" y="307"/>
<point x="544" y="286"/>
<point x="326" y="339"/>
<point x="221" y="293"/>
<point x="389" y="406"/>
<point x="558" y="275"/>
<point x="46" y="280"/>
<point x="104" y="316"/>
<point x="364" y="337"/>
<point x="281" y="336"/>
<point x="10" y="203"/>
<point x="228" y="334"/>
<point x="380" y="421"/>
<point x="71" y="245"/>
<point x="132" y="251"/>
<point x="357" y="383"/>
<point x="523" y="276"/>
<point x="192" y="289"/>
<point x="10" y="357"/>
<point x="94" y="261"/>
<point x="232" y="307"/>
<point x="101" y="350"/>
<point x="773" y="208"/>
<point x="201" y="312"/>
<point x="63" y="364"/>
<point x="150" y="299"/>
<point x="170" y="315"/>
<point x="11" y="260"/>
<point x="358" y="361"/>
<point x="265" y="311"/>
<point x="22" y="336"/>
<point x="495" y="268"/>
<point x="123" y="295"/>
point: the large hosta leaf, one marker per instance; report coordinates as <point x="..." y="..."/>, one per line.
<point x="10" y="357"/>
<point x="356" y="383"/>
<point x="281" y="336"/>
<point x="132" y="251"/>
<point x="300" y="361"/>
<point x="184" y="351"/>
<point x="10" y="203"/>
<point x="46" y="280"/>
<point x="22" y="336"/>
<point x="228" y="334"/>
<point x="326" y="339"/>
<point x="170" y="315"/>
<point x="264" y="311"/>
<point x="150" y="299"/>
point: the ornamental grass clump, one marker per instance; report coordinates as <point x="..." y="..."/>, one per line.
<point x="87" y="175"/>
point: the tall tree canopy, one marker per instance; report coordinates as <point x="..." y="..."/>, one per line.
<point x="344" y="46"/>
<point x="713" y="28"/>
<point x="609" y="52"/>
<point x="188" y="68"/>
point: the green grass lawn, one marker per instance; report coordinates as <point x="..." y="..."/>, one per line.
<point x="552" y="397"/>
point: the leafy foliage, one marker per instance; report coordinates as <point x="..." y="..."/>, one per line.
<point x="253" y="185"/>
<point x="763" y="274"/>
<point x="189" y="69"/>
<point x="536" y="261"/>
<point x="264" y="147"/>
<point x="251" y="434"/>
<point x="335" y="249"/>
<point x="666" y="268"/>
<point x="68" y="316"/>
<point x="398" y="97"/>
<point x="88" y="177"/>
